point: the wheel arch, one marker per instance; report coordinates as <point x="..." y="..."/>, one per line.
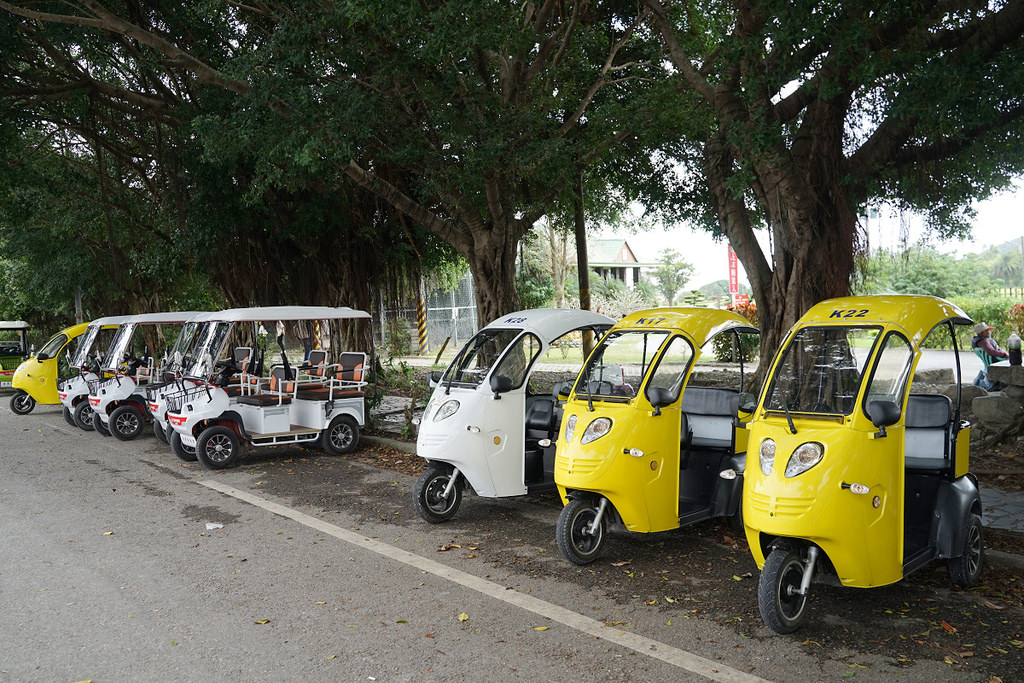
<point x="959" y="500"/>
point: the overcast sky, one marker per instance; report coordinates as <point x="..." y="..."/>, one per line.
<point x="999" y="220"/>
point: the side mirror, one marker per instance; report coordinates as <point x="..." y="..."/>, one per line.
<point x="563" y="389"/>
<point x="883" y="414"/>
<point x="42" y="356"/>
<point x="748" y="402"/>
<point x="500" y="384"/>
<point x="434" y="378"/>
<point x="659" y="398"/>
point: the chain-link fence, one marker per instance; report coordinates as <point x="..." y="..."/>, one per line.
<point x="450" y="315"/>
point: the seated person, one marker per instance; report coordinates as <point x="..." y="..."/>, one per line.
<point x="984" y="344"/>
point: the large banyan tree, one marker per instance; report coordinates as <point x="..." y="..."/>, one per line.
<point x="820" y="107"/>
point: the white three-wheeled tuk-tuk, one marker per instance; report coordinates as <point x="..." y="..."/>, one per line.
<point x="484" y="423"/>
<point x="313" y="402"/>
<point x="119" y="399"/>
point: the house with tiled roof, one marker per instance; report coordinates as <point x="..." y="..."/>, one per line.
<point x="613" y="258"/>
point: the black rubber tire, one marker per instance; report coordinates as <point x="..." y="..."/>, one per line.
<point x="577" y="547"/>
<point x="965" y="571"/>
<point x="22" y="403"/>
<point x="186" y="453"/>
<point x="341" y="436"/>
<point x="98" y="425"/>
<point x="68" y="417"/>
<point x="83" y="415"/>
<point x="159" y="432"/>
<point x="782" y="610"/>
<point x="429" y="501"/>
<point x="217" y="447"/>
<point x="126" y="422"/>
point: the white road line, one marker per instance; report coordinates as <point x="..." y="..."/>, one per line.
<point x="642" y="645"/>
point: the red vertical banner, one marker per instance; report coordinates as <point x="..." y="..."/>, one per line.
<point x="734" y="279"/>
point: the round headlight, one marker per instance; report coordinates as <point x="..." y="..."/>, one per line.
<point x="447" y="409"/>
<point x="596" y="429"/>
<point x="767" y="456"/>
<point x="804" y="458"/>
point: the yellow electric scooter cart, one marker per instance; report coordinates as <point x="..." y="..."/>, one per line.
<point x="35" y="380"/>
<point x="639" y="444"/>
<point x="858" y="481"/>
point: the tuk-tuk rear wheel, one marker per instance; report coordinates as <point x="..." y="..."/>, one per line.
<point x="84" y="416"/>
<point x="430" y="502"/>
<point x="965" y="571"/>
<point x="97" y="424"/>
<point x="22" y="403"/>
<point x="782" y="607"/>
<point x="578" y="543"/>
<point x="68" y="417"/>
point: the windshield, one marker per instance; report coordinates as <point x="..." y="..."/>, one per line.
<point x="617" y="367"/>
<point x="85" y="343"/>
<point x="204" y="352"/>
<point x="821" y="370"/>
<point x="183" y="346"/>
<point x="118" y="347"/>
<point x="475" y="359"/>
<point x="53" y="347"/>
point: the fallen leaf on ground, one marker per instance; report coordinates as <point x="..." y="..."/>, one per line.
<point x="262" y="621"/>
<point x="463" y="617"/>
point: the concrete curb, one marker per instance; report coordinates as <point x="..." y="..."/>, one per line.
<point x="397" y="444"/>
<point x="1004" y="559"/>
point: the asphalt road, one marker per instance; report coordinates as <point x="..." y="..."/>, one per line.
<point x="322" y="571"/>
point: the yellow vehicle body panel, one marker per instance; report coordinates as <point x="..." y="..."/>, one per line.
<point x="644" y="490"/>
<point x="38" y="378"/>
<point x="864" y="542"/>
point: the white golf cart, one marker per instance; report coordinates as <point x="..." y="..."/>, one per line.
<point x="88" y="360"/>
<point x="312" y="402"/>
<point x="118" y="399"/>
<point x="178" y="359"/>
<point x="485" y="425"/>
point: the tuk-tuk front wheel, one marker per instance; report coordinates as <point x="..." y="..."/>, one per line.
<point x="430" y="502"/>
<point x="579" y="540"/>
<point x="217" y="447"/>
<point x="186" y="453"/>
<point x="782" y="607"/>
<point x="22" y="403"/>
<point x="126" y="422"/>
<point x="98" y="425"/>
<point x="84" y="417"/>
<point x="965" y="571"/>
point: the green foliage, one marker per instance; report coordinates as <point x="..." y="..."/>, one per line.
<point x="671" y="275"/>
<point x="923" y="270"/>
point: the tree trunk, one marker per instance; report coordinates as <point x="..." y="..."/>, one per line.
<point x="582" y="260"/>
<point x="492" y="263"/>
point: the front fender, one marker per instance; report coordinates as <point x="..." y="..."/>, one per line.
<point x="956" y="501"/>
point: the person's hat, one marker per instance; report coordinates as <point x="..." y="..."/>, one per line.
<point x="981" y="327"/>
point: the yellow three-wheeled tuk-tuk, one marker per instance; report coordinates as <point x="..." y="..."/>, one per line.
<point x="641" y="444"/>
<point x="856" y="479"/>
